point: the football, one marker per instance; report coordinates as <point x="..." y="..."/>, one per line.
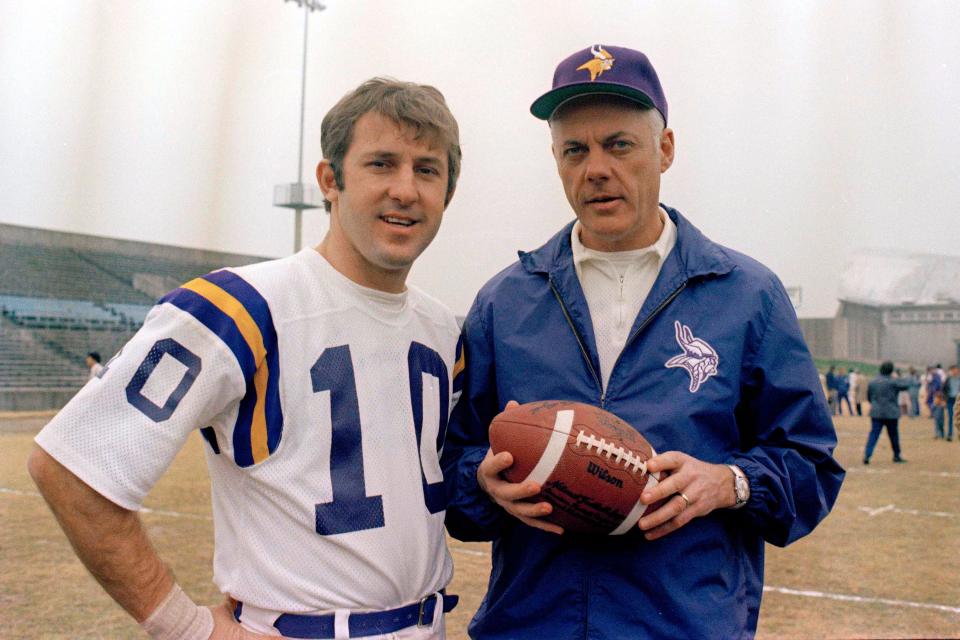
<point x="591" y="465"/>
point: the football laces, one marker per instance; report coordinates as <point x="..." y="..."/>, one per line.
<point x="610" y="450"/>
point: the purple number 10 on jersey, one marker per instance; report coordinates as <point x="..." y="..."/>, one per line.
<point x="351" y="508"/>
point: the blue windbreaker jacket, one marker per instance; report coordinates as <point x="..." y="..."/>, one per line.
<point x="528" y="336"/>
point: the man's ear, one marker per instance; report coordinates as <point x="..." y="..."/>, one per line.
<point x="667" y="149"/>
<point x="446" y="202"/>
<point x="327" y="181"/>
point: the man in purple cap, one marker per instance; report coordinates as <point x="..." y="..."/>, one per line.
<point x="630" y="308"/>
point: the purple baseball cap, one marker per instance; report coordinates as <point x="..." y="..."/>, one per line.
<point x="604" y="70"/>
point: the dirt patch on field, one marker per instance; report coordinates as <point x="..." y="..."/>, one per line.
<point x="882" y="565"/>
<point x="24" y="422"/>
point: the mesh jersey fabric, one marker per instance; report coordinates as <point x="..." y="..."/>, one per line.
<point x="310" y="515"/>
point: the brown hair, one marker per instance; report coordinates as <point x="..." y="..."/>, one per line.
<point x="418" y="106"/>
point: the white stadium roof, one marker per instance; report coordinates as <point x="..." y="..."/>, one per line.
<point x="890" y="278"/>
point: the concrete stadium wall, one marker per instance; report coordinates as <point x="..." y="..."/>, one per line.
<point x="44" y="237"/>
<point x="35" y="399"/>
<point x="861" y="331"/>
<point x="818" y="334"/>
<point x="915" y="334"/>
<point x="863" y="339"/>
<point x="922" y="343"/>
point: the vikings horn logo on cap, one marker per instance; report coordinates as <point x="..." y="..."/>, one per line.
<point x="591" y="71"/>
<point x="602" y="61"/>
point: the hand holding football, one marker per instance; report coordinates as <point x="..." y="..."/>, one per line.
<point x="590" y="464"/>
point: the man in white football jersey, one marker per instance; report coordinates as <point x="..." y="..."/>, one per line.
<point x="322" y="384"/>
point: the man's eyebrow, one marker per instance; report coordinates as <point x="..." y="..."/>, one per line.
<point x="386" y="155"/>
<point x="610" y="138"/>
<point x="437" y="160"/>
<point x="614" y="136"/>
<point x="392" y="155"/>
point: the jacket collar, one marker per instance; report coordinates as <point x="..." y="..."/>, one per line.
<point x="693" y="256"/>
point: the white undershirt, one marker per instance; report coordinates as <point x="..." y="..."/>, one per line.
<point x="616" y="283"/>
<point x="389" y="306"/>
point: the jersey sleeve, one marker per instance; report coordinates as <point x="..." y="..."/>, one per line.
<point x="459" y="365"/>
<point x="202" y="356"/>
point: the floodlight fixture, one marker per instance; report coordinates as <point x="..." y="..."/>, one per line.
<point x="796" y="296"/>
<point x="312" y="5"/>
<point x="297" y="195"/>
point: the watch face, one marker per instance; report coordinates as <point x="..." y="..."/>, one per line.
<point x="741" y="489"/>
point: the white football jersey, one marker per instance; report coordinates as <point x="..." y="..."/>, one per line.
<point x="326" y="405"/>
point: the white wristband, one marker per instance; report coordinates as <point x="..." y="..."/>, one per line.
<point x="179" y="618"/>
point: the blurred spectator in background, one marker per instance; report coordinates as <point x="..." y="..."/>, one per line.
<point x="956" y="415"/>
<point x="903" y="398"/>
<point x="933" y="385"/>
<point x="832" y="389"/>
<point x="884" y="412"/>
<point x="913" y="391"/>
<point x="859" y="391"/>
<point x="940" y="373"/>
<point x="951" y="389"/>
<point x="936" y="412"/>
<point x="93" y="363"/>
<point x="853" y="382"/>
<point x="843" y="390"/>
<point x="924" y="394"/>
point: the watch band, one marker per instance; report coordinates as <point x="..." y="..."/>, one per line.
<point x="741" y="486"/>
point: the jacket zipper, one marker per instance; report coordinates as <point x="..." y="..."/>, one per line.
<point x="620" y="303"/>
<point x="583" y="350"/>
<point x="653" y="314"/>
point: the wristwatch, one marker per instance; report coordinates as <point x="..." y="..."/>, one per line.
<point x="741" y="486"/>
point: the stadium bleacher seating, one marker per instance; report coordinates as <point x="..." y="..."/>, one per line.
<point x="61" y="273"/>
<point x="43" y="312"/>
<point x="132" y="313"/>
<point x="27" y="361"/>
<point x="122" y="266"/>
<point x="65" y="295"/>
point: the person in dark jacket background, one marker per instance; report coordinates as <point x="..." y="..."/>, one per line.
<point x="843" y="392"/>
<point x="884" y="410"/>
<point x="833" y="398"/>
<point x="631" y="309"/>
<point x="951" y="391"/>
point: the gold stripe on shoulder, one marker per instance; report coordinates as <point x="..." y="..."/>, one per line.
<point x="251" y="334"/>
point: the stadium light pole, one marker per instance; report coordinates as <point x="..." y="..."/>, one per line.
<point x="297" y="195"/>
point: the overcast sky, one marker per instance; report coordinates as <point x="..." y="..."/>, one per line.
<point x="805" y="131"/>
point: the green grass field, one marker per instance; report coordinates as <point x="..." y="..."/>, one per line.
<point x="884" y="564"/>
